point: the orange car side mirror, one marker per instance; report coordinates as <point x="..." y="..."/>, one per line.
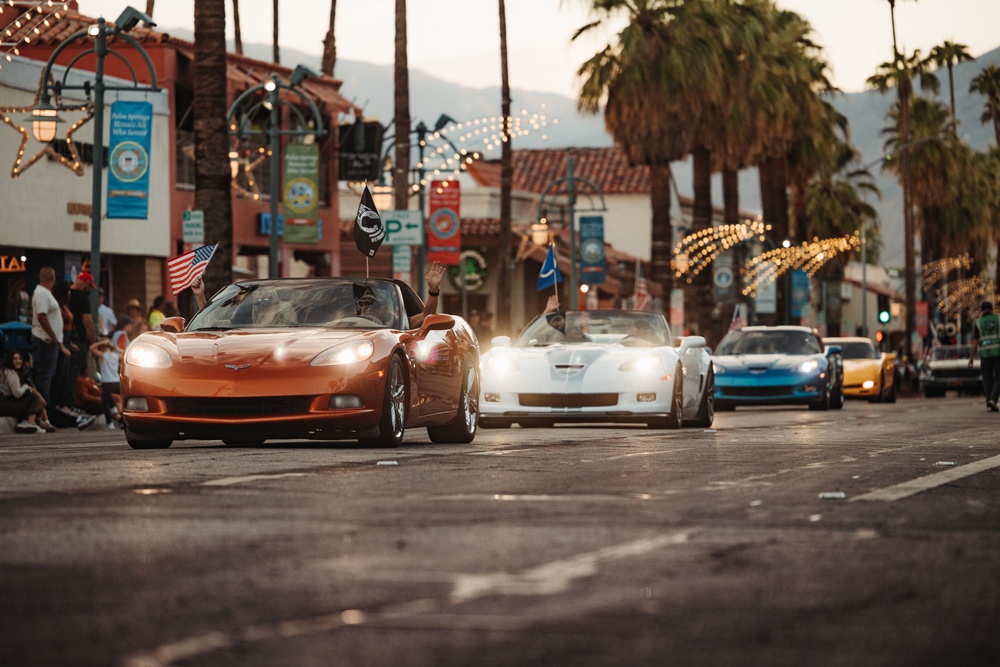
<point x="172" y="324"/>
<point x="437" y="322"/>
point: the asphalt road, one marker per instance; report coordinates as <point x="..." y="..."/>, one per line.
<point x="566" y="546"/>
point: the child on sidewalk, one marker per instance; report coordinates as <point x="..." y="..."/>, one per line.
<point x="108" y="369"/>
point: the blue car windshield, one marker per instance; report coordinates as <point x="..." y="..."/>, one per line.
<point x="769" y="342"/>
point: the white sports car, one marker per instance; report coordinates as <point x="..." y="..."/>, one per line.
<point x="613" y="366"/>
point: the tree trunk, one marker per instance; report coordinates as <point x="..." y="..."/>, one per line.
<point x="662" y="241"/>
<point x="699" y="309"/>
<point x="237" y="28"/>
<point x="330" y="43"/>
<point x="506" y="180"/>
<point x="212" y="173"/>
<point x="149" y="8"/>
<point x="401" y="118"/>
<point x="274" y="33"/>
<point x="731" y="216"/>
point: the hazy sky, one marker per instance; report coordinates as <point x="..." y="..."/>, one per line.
<point x="458" y="40"/>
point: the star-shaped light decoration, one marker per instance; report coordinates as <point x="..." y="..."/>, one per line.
<point x="73" y="163"/>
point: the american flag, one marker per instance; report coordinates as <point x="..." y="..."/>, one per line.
<point x="736" y="323"/>
<point x="641" y="296"/>
<point x="183" y="269"/>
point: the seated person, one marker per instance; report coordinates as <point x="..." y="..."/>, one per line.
<point x="269" y="309"/>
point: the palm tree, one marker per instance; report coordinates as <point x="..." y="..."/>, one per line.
<point x="237" y="28"/>
<point x="506" y="180"/>
<point x="149" y="7"/>
<point x="212" y="172"/>
<point x="274" y="33"/>
<point x="987" y="84"/>
<point x="642" y="84"/>
<point x="932" y="165"/>
<point x="900" y="73"/>
<point x="329" y="60"/>
<point x="401" y="117"/>
<point x="949" y="54"/>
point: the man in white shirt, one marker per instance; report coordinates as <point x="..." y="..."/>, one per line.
<point x="46" y="331"/>
<point x="106" y="316"/>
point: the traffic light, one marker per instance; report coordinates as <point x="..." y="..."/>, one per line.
<point x="879" y="336"/>
<point x="883" y="309"/>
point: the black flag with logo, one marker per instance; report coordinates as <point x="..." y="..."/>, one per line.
<point x="369" y="231"/>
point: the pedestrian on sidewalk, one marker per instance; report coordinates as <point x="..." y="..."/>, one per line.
<point x="19" y="399"/>
<point x="986" y="340"/>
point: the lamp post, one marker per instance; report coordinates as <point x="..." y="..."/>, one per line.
<point x="267" y="97"/>
<point x="567" y="187"/>
<point x="422" y="132"/>
<point x="44" y="116"/>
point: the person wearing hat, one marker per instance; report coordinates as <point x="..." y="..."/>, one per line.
<point x="986" y="340"/>
<point x="82" y="335"/>
<point x="134" y="310"/>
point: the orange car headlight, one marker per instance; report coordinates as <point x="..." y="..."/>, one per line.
<point x="146" y="355"/>
<point x="345" y="353"/>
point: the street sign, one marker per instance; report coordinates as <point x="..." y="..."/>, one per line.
<point x="401" y="259"/>
<point x="194" y="226"/>
<point x="723" y="277"/>
<point x="402" y="227"/>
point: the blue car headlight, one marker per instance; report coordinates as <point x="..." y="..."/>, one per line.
<point x="809" y="366"/>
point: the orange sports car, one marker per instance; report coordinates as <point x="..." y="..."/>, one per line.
<point x="303" y="358"/>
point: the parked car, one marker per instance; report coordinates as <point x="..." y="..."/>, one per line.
<point x="310" y="358"/>
<point x="763" y="365"/>
<point x="598" y="366"/>
<point x="947" y="367"/>
<point x="868" y="373"/>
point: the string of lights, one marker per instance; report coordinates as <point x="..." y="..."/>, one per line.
<point x="936" y="272"/>
<point x="697" y="251"/>
<point x="764" y="269"/>
<point x="28" y="24"/>
<point x="965" y="295"/>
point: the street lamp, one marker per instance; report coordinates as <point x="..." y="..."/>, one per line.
<point x="44" y="117"/>
<point x="424" y="135"/>
<point x="249" y="106"/>
<point x="567" y="187"/>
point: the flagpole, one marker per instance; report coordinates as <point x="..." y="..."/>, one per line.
<point x="366" y="268"/>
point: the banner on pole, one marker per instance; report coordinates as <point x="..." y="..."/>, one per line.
<point x="301" y="193"/>
<point x="593" y="261"/>
<point x="444" y="237"/>
<point x="128" y="160"/>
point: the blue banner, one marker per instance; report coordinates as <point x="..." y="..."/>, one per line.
<point x="593" y="262"/>
<point x="800" y="292"/>
<point x="128" y="160"/>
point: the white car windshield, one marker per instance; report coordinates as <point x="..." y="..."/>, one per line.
<point x="949" y="353"/>
<point x="579" y="327"/>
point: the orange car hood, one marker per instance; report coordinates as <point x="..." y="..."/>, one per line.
<point x="259" y="346"/>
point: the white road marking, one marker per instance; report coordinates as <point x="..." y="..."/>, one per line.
<point x="544" y="579"/>
<point x="915" y="486"/>
<point x="229" y="481"/>
<point x="556" y="576"/>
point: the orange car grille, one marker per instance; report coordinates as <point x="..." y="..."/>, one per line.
<point x="263" y="406"/>
<point x="568" y="400"/>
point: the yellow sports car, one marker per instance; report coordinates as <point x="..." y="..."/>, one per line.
<point x="868" y="373"/>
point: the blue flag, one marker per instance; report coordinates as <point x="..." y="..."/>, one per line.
<point x="549" y="275"/>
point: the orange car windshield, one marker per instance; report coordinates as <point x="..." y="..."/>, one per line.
<point x="338" y="304"/>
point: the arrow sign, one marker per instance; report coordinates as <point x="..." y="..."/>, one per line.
<point x="403" y="227"/>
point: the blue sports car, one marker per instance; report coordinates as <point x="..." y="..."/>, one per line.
<point x="775" y="366"/>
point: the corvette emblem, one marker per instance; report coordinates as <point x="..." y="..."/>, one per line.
<point x="237" y="367"/>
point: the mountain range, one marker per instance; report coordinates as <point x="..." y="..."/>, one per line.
<point x="370" y="86"/>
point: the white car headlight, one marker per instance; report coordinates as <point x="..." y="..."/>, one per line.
<point x="643" y="363"/>
<point x="345" y="353"/>
<point x="501" y="364"/>
<point x="808" y="366"/>
<point x="147" y="355"/>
